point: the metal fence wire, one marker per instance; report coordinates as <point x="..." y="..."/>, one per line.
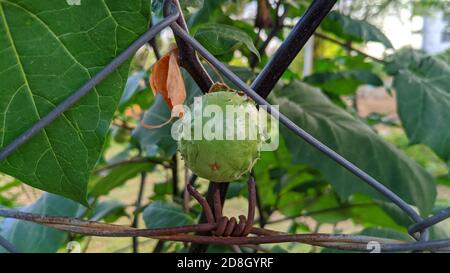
<point x="300" y="34"/>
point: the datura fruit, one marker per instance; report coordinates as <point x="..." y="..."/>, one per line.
<point x="228" y="143"/>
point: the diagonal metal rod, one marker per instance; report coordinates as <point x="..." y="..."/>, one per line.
<point x="417" y="246"/>
<point x="428" y="222"/>
<point x="87" y="87"/>
<point x="294" y="128"/>
<point x="7" y="245"/>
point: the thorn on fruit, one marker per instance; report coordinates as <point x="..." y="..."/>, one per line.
<point x="214" y="166"/>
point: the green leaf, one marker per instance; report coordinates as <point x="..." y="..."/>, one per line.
<point x="353" y="30"/>
<point x="397" y="214"/>
<point x="343" y="82"/>
<point x="9" y="185"/>
<point x="192" y="4"/>
<point x="355" y="141"/>
<point x="372" y="214"/>
<point x="268" y="183"/>
<point x="161" y="190"/>
<point x="210" y="11"/>
<point x="386" y="233"/>
<point x="220" y="39"/>
<point x="325" y="209"/>
<point x="444" y="180"/>
<point x="236" y="189"/>
<point x="159" y="214"/>
<point x="440" y="231"/>
<point x="102" y="185"/>
<point x="156" y="142"/>
<point x="445" y="56"/>
<point x="132" y="86"/>
<point x="47" y="51"/>
<point x="30" y="237"/>
<point x="108" y="211"/>
<point x="423" y="98"/>
<point x="186" y="5"/>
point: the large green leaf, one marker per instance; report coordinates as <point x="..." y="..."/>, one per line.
<point x="102" y="185"/>
<point x="30" y="237"/>
<point x="312" y="111"/>
<point x="444" y="180"/>
<point x="160" y="214"/>
<point x="423" y="98"/>
<point x="220" y="39"/>
<point x="132" y="86"/>
<point x="343" y="82"/>
<point x="353" y="30"/>
<point x="108" y="211"/>
<point x="210" y="11"/>
<point x="48" y="49"/>
<point x="386" y="233"/>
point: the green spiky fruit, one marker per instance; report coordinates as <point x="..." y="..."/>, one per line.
<point x="223" y="160"/>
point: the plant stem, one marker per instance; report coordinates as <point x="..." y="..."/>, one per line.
<point x="131" y="161"/>
<point x="223" y="187"/>
<point x="188" y="57"/>
<point x="262" y="215"/>
<point x="174" y="177"/>
<point x="347" y="46"/>
<point x="152" y="43"/>
<point x="137" y="210"/>
<point x="159" y="247"/>
<point x="277" y="26"/>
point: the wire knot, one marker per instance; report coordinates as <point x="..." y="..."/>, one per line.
<point x="226" y="227"/>
<point x="231" y="227"/>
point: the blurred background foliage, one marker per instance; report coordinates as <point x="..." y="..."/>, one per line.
<point x="384" y="107"/>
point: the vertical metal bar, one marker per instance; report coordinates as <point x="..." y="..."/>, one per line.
<point x="290" y="48"/>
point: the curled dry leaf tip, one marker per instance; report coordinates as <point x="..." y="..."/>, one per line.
<point x="166" y="80"/>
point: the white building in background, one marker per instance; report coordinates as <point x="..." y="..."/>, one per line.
<point x="436" y="32"/>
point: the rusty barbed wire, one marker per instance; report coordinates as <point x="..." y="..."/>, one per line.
<point x="180" y="234"/>
<point x="223" y="230"/>
<point x="260" y="235"/>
